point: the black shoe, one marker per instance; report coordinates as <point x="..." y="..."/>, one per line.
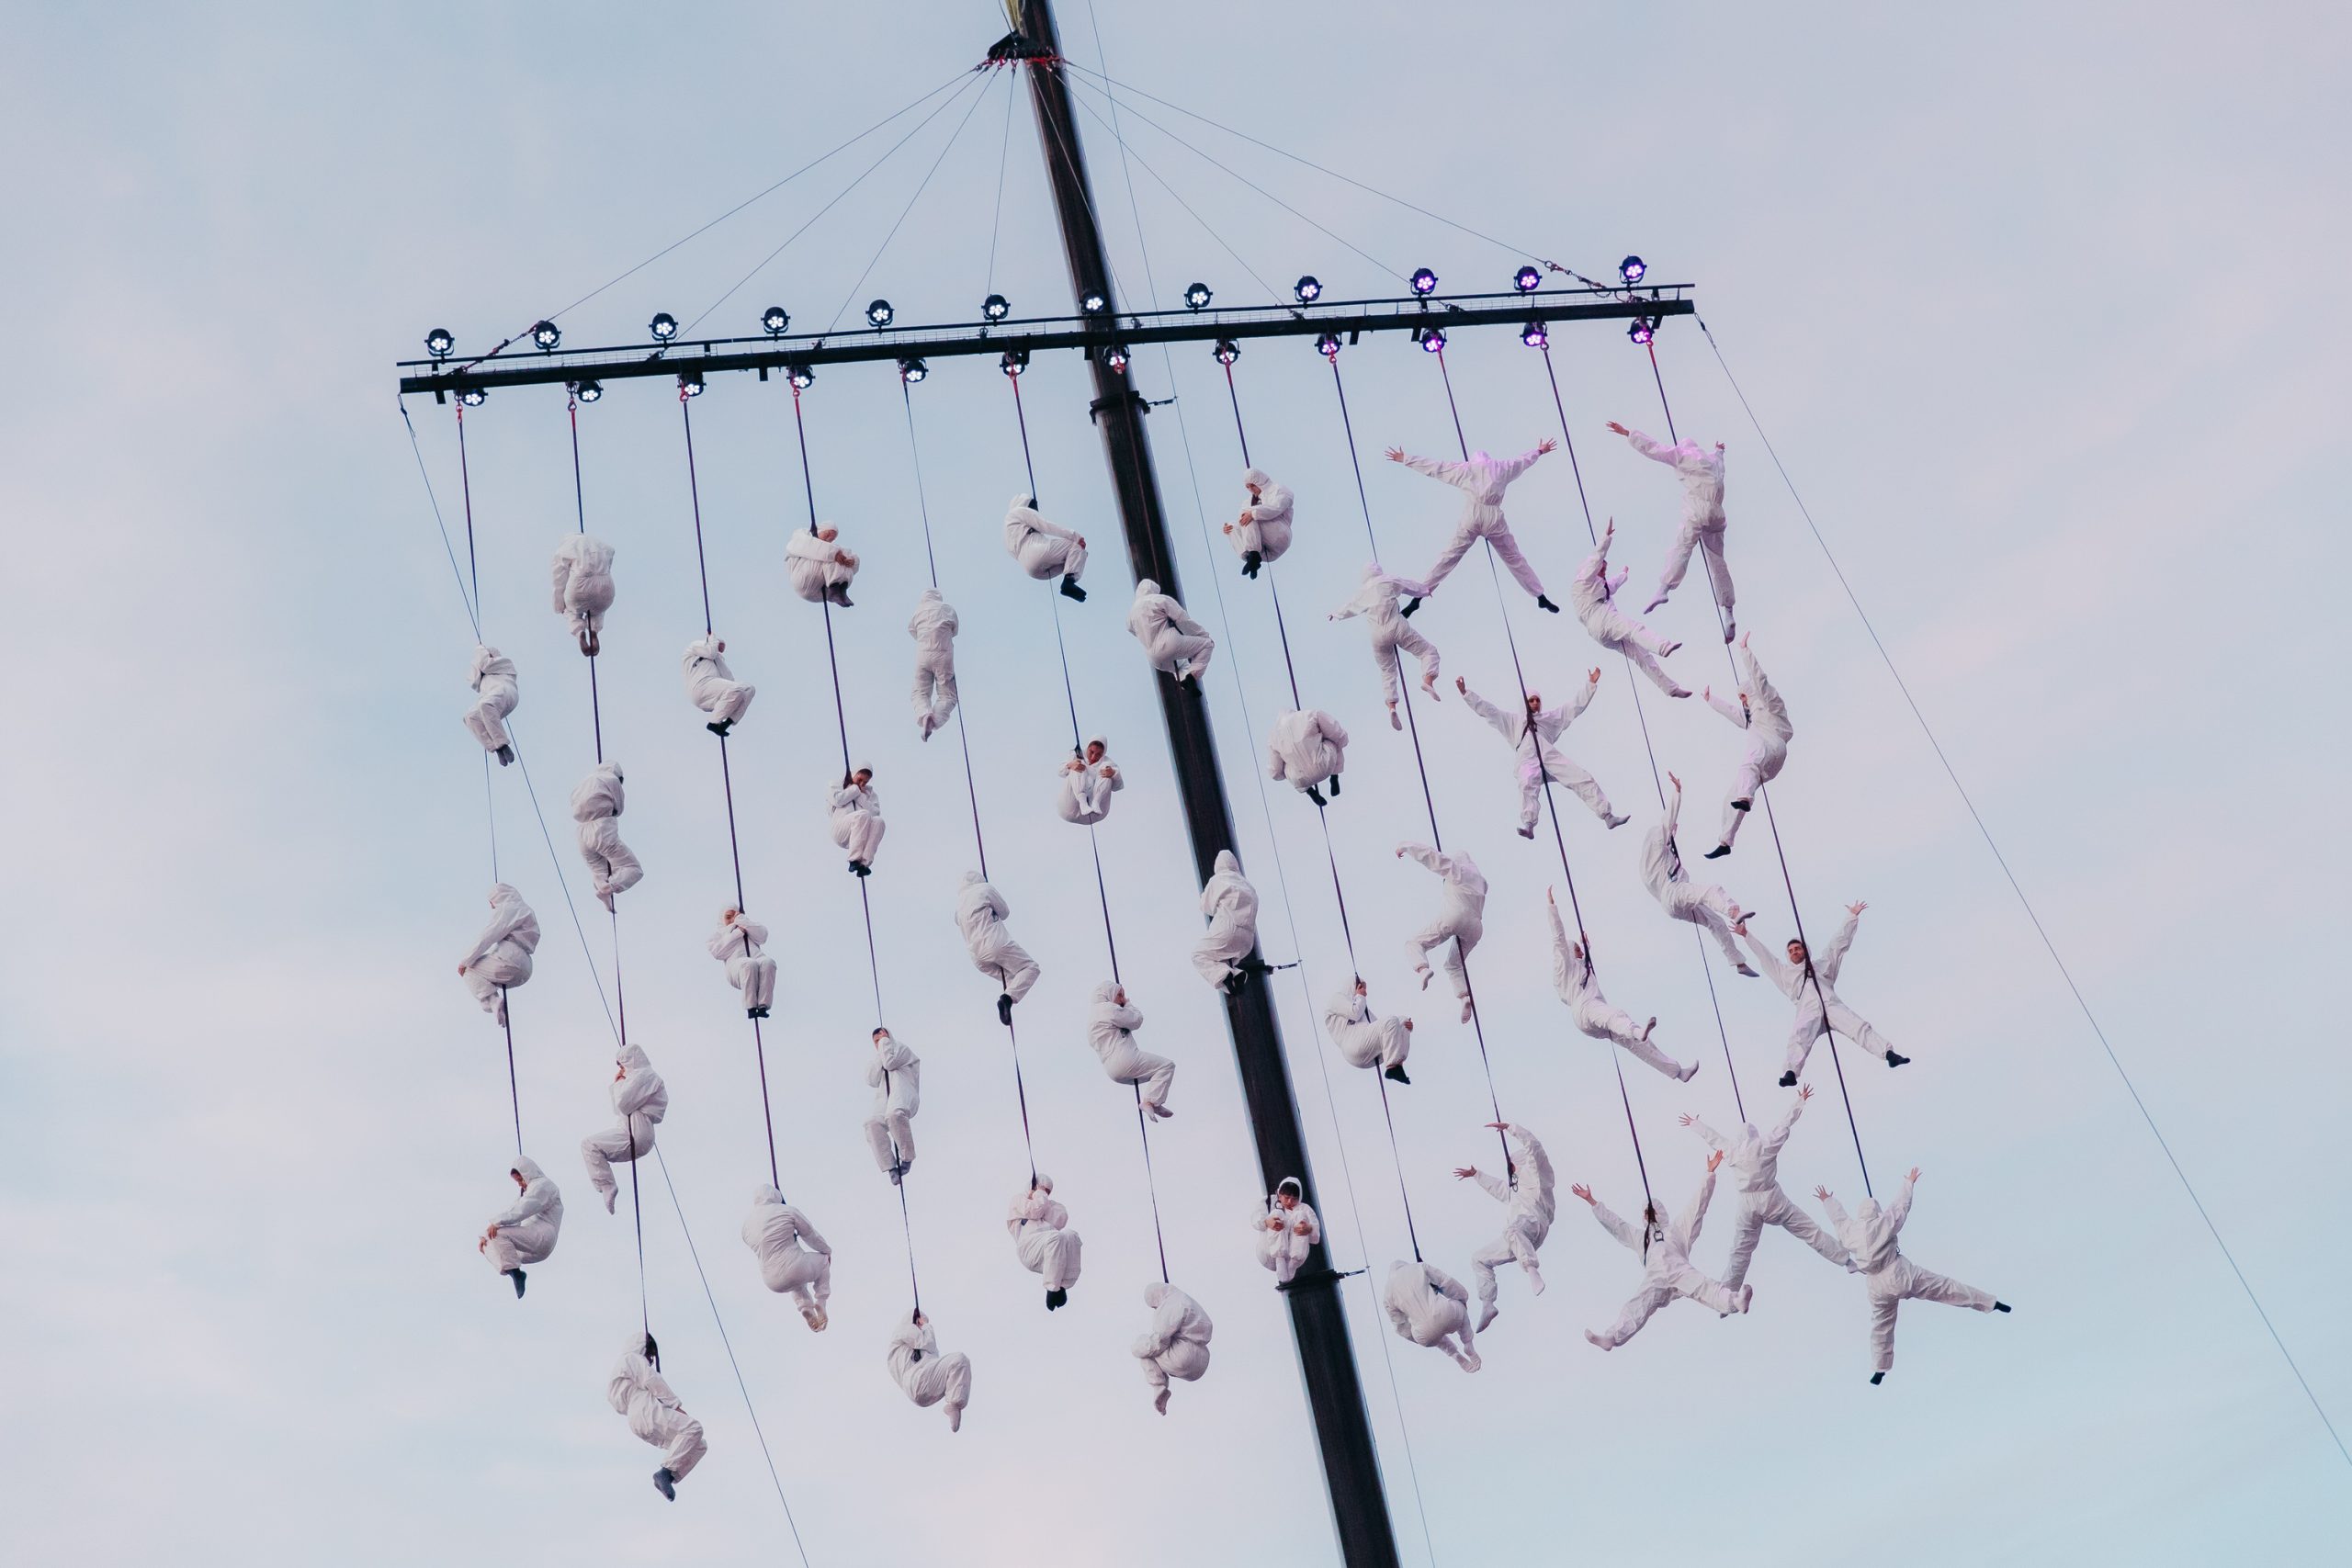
<point x="1788" y="1080"/>
<point x="838" y="595"/>
<point x="1004" y="1010"/>
<point x="1877" y="1378"/>
<point x="1718" y="852"/>
<point x="861" y="868"/>
<point x="1056" y="1300"/>
<point x="898" y="1174"/>
<point x="1397" y="1074"/>
<point x="1070" y="589"/>
<point x="721" y="727"/>
<point x="666" y="1483"/>
<point x="516" y="1275"/>
<point x="1410" y="606"/>
<point x="1527" y="832"/>
<point x="1543" y="604"/>
<point x="1250" y="563"/>
<point x="505" y="755"/>
<point x="1313" y="795"/>
<point x="1235" y="981"/>
<point x="2001" y="1306"/>
<point x="1335" y="786"/>
<point x="1894" y="1061"/>
<point x="1741" y="805"/>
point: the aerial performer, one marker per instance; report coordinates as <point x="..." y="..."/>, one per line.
<point x="895" y="1074"/>
<point x="929" y="1377"/>
<point x="1230" y="904"/>
<point x="584" y="588"/>
<point x="1589" y="594"/>
<point x="1367" y="1040"/>
<point x="1177" y="1343"/>
<point x="1709" y="908"/>
<point x="934" y="627"/>
<point x="1482" y="480"/>
<point x="1755" y="1165"/>
<point x="737" y="942"/>
<point x="1765" y="716"/>
<point x="596" y="807"/>
<point x="638" y="1391"/>
<point x="492" y="676"/>
<point x="1890" y="1278"/>
<point x="1429" y="1306"/>
<point x="1307" y="747"/>
<point x="1176" y="644"/>
<point x="1812" y="984"/>
<point x="1524" y="1190"/>
<point x="1701" y="473"/>
<point x="1287" y="1231"/>
<point x="1595" y="1015"/>
<point x="1045" y="550"/>
<point x="1376" y="603"/>
<point x="980" y="914"/>
<point x="1089" y="781"/>
<point x="1111" y="1031"/>
<point x="501" y="955"/>
<point x="857" y="818"/>
<point x="1262" y="531"/>
<point x="794" y="1259"/>
<point x="1042" y="1240"/>
<point x="525" y="1230"/>
<point x="1532" y="734"/>
<point x="819" y="569"/>
<point x="641" y="1100"/>
<point x="1667" y="1269"/>
<point x="712" y="687"/>
<point x="1461" y="918"/>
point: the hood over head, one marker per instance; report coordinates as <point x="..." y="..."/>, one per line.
<point x="1045" y="1182"/>
<point x="1480" y="457"/>
<point x="1292" y="1185"/>
<point x="527" y="1168"/>
<point x="766" y="1195"/>
<point x="1156" y="1292"/>
<point x="1106" y="993"/>
<point x="1022" y="499"/>
<point x="1370" y="570"/>
<point x="1256" y="477"/>
<point x="500" y="892"/>
<point x="1101" y="742"/>
<point x="1228" y="865"/>
<point x="632" y="1056"/>
<point x="973" y="878"/>
<point x="933" y="596"/>
<point x="1866" y="1210"/>
<point x="1145" y="588"/>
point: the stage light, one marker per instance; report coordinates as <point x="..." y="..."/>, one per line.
<point x="1014" y="361"/>
<point x="1197" y="297"/>
<point x="803" y="377"/>
<point x="689" y="384"/>
<point x="1228" y="351"/>
<point x="912" y="370"/>
<point x="1526" y="280"/>
<point x="880" y="313"/>
<point x="439" y="343"/>
<point x="1632" y="269"/>
<point x="663" y="327"/>
<point x="1308" y="290"/>
<point x="1116" y="356"/>
<point x="1328" y="346"/>
<point x="1642" y="329"/>
<point x="545" y="335"/>
<point x="1433" y="341"/>
<point x="996" y="307"/>
<point x="1534" y="335"/>
<point x="1093" y="303"/>
<point x="1424" y="281"/>
<point x="773" y="320"/>
<point x="473" y="397"/>
<point x="587" y="391"/>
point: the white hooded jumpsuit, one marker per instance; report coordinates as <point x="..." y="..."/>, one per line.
<point x="492" y="675"/>
<point x="1700" y="470"/>
<point x="501" y="955"/>
<point x="1364" y="1040"/>
<point x="737" y="944"/>
<point x="1709" y="908"/>
<point x="895" y="1075"/>
<point x="1044" y="549"/>
<point x="1766" y="719"/>
<point x="815" y="568"/>
<point x="1429" y="1306"/>
<point x="1589" y="595"/>
<point x="1376" y="603"/>
<point x="1482" y="481"/>
<point x="1042" y="1238"/>
<point x="1528" y="1210"/>
<point x="1531" y="736"/>
<point x="980" y="914"/>
<point x="1086" y="793"/>
<point x="644" y="1396"/>
<point x="1177" y="1343"/>
<point x="934" y="627"/>
<point x="1667" y="1269"/>
<point x="1265" y="523"/>
<point x="711" y="685"/>
<point x="794" y="1259"/>
<point x="1461" y="918"/>
<point x="1282" y="1247"/>
<point x="1306" y="746"/>
<point x="1175" y="643"/>
<point x="1572" y="977"/>
<point x="641" y="1100"/>
<point x="1755" y="1161"/>
<point x="1109" y="1029"/>
<point x="584" y="583"/>
<point x="1890" y="1278"/>
<point x="527" y="1227"/>
<point x="596" y="807"/>
<point x="929" y="1377"/>
<point x="1819" y="1010"/>
<point x="1232" y="906"/>
<point x="857" y="819"/>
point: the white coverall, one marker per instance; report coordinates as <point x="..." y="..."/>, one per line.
<point x="1589" y="592"/>
<point x="641" y="1100"/>
<point x="857" y="819"/>
<point x="492" y="675"/>
<point x="1700" y="470"/>
<point x="1709" y="908"/>
<point x="1364" y="1040"/>
<point x="895" y="1077"/>
<point x="1461" y="918"/>
<point x="1595" y="1015"/>
<point x="1175" y="643"/>
<point x="1044" y="549"/>
<point x="816" y="572"/>
<point x="736" y="944"/>
<point x="711" y="685"/>
<point x="1232" y="906"/>
<point x="1810" y="1025"/>
<point x="1284" y="1247"/>
<point x="644" y="1396"/>
<point x="583" y="583"/>
<point x="794" y="1259"/>
<point x="929" y="1377"/>
<point x="1755" y="1161"/>
<point x="1766" y="719"/>
<point x="1531" y="736"/>
<point x="1177" y="1343"/>
<point x="934" y="627"/>
<point x="1528" y="1210"/>
<point x="1111" y="1031"/>
<point x="501" y="955"/>
<point x="596" y="807"/>
<point x="1482" y="481"/>
<point x="1265" y="523"/>
<point x="1429" y="1306"/>
<point x="1667" y="1269"/>
<point x="1890" y="1278"/>
<point x="1306" y="746"/>
<point x="1086" y="794"/>
<point x="980" y="914"/>
<point x="1042" y="1238"/>
<point x="1391" y="632"/>
<point x="527" y="1227"/>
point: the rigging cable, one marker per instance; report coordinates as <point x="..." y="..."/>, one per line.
<point x="986" y="82"/>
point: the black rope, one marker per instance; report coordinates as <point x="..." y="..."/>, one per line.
<point x="506" y="1023"/>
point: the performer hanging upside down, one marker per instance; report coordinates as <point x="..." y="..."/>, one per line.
<point x="1176" y="644"/>
<point x="1524" y="1190"/>
<point x="1111" y="1031"/>
<point x="1089" y="781"/>
<point x="526" y="1231"/>
<point x="1531" y="733"/>
<point x="737" y="944"/>
<point x="1177" y="1343"/>
<point x="1461" y="918"/>
<point x="1376" y="603"/>
<point x="1482" y="480"/>
<point x="1765" y="716"/>
<point x="1045" y="550"/>
<point x="934" y="627"/>
<point x="1572" y="977"/>
<point x="1755" y="1165"/>
<point x="895" y="1075"/>
<point x="1701" y="473"/>
<point x="1230" y="906"/>
<point x="584" y="588"/>
<point x="1589" y="594"/>
<point x="1287" y="1231"/>
<point x="500" y="958"/>
<point x="1814" y="989"/>
<point x="819" y="569"/>
<point x="1262" y="531"/>
<point x="1429" y="1306"/>
<point x="1042" y="1240"/>
<point x="596" y="807"/>
<point x="1308" y="746"/>
<point x="1889" y="1277"/>
<point x="641" y="1100"/>
<point x="638" y="1391"/>
<point x="980" y="914"/>
<point x="794" y="1259"/>
<point x="1709" y="908"/>
<point x="1367" y="1040"/>
<point x="857" y="818"/>
<point x="1667" y="1269"/>
<point x="492" y="675"/>
<point x="928" y="1377"/>
<point x="712" y="687"/>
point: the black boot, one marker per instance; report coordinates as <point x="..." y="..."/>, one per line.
<point x="1070" y="589"/>
<point x="1315" y="795"/>
<point x="516" y="1275"/>
<point x="1335" y="786"/>
<point x="1894" y="1061"/>
<point x="1543" y="604"/>
<point x="1788" y="1080"/>
<point x="1410" y="606"/>
<point x="2001" y="1306"/>
<point x="1397" y="1074"/>
<point x="1250" y="563"/>
<point x="1718" y="852"/>
<point x="1004" y="1010"/>
<point x="860" y="868"/>
<point x="1056" y="1300"/>
<point x="666" y="1483"/>
<point x="505" y="756"/>
<point x="721" y="727"/>
<point x="1235" y="981"/>
<point x="1877" y="1378"/>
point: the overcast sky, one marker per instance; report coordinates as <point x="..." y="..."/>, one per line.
<point x="2039" y="306"/>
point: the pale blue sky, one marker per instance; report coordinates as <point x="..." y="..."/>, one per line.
<point x="2039" y="307"/>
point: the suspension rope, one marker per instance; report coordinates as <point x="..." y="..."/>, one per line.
<point x="987" y="82"/>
